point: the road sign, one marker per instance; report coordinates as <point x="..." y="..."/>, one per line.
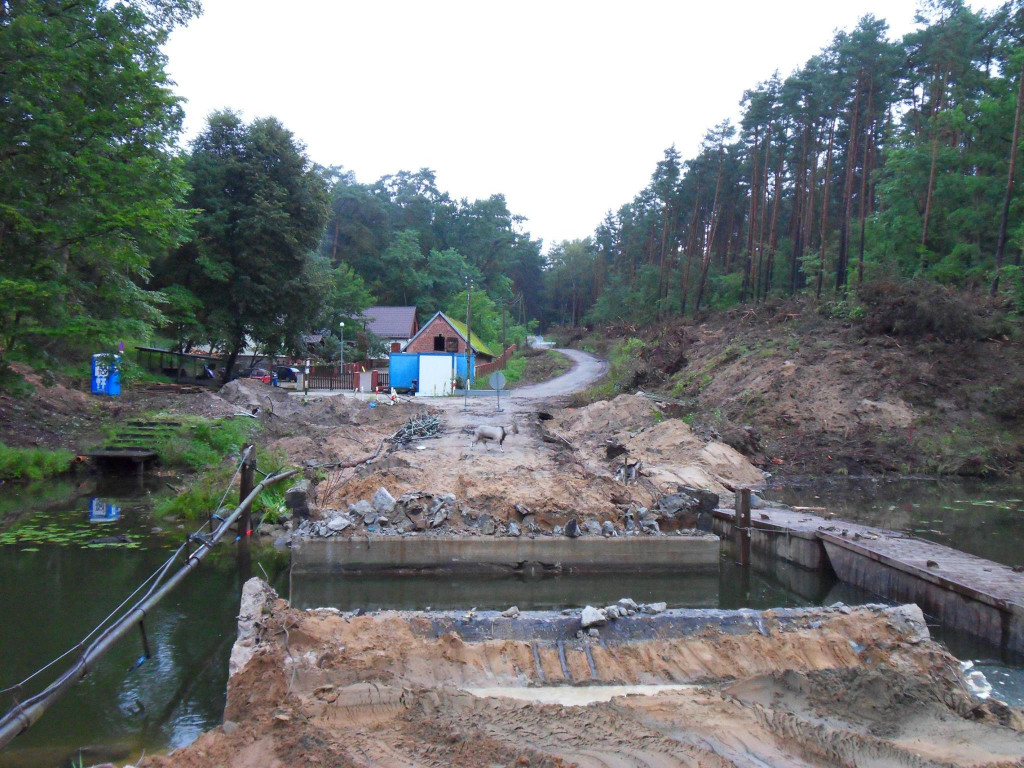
<point x="497" y="380"/>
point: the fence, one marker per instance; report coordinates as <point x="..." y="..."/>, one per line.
<point x="327" y="377"/>
<point x="383" y="379"/>
<point x="498" y="364"/>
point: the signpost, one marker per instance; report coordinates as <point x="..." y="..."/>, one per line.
<point x="497" y="381"/>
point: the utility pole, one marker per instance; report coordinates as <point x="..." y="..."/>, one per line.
<point x="469" y="343"/>
<point x="341" y="357"/>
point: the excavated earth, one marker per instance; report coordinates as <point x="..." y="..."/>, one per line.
<point x="796" y="687"/>
<point x="556" y="468"/>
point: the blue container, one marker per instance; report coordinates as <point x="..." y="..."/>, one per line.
<point x="106" y="374"/>
<point x="403" y="367"/>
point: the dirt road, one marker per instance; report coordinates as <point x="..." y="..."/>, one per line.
<point x="587" y="369"/>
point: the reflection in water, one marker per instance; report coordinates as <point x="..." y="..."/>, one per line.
<point x="985" y="519"/>
<point x="50" y="596"/>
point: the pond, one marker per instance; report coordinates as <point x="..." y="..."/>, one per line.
<point x="56" y="584"/>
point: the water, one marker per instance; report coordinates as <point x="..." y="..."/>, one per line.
<point x="53" y="595"/>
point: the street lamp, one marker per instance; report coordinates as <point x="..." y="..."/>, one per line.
<point x="469" y="343"/>
<point x="341" y="356"/>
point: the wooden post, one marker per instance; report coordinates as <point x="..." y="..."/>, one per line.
<point x="245" y="486"/>
<point x="742" y="523"/>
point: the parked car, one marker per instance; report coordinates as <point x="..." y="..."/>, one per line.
<point x="286" y="373"/>
<point x="258" y="373"/>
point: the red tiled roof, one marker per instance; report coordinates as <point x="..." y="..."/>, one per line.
<point x="391" y="322"/>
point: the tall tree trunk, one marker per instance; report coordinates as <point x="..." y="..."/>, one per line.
<point x="762" y="215"/>
<point x="824" y="206"/>
<point x="1004" y="219"/>
<point x="773" y="233"/>
<point x="843" y="257"/>
<point x="691" y="237"/>
<point x="666" y="213"/>
<point x="751" y="222"/>
<point x="869" y="140"/>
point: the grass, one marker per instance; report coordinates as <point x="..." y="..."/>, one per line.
<point x="205" y="492"/>
<point x="189" y="442"/>
<point x="32" y="463"/>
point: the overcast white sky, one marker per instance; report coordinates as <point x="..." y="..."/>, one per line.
<point x="564" y="107"/>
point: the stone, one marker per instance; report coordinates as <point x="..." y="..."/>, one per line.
<point x="487" y="525"/>
<point x="686" y="504"/>
<point x="593" y="617"/>
<point x="627" y="604"/>
<point x="415" y="519"/>
<point x="383" y="502"/>
<point x="557" y="530"/>
<point x="439" y="517"/>
<point x="653" y="608"/>
<point x="592" y="527"/>
<point x="371" y="519"/>
<point x="296" y="499"/>
<point x="579" y="634"/>
<point x="511" y="612"/>
<point x="513" y="529"/>
<point x="339" y="523"/>
<point x="229" y="727"/>
<point x="650" y="526"/>
<point x="612" y="611"/>
<point x="572" y="529"/>
<point x="608" y="528"/>
<point x="593" y="632"/>
<point x="282" y="542"/>
<point x="529" y="522"/>
<point x="361" y="509"/>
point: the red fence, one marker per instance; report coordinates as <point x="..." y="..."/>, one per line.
<point x="498" y="364"/>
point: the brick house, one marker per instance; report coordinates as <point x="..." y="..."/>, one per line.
<point x="443" y="334"/>
<point x="394" y="325"/>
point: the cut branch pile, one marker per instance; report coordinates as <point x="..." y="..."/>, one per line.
<point x="420" y="427"/>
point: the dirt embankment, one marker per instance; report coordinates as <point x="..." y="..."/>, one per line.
<point x="818" y="687"/>
<point x="556" y="468"/>
<point x="800" y="392"/>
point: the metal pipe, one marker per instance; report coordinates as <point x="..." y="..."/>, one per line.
<point x="22" y="716"/>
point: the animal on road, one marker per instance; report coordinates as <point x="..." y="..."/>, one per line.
<point x="487" y="434"/>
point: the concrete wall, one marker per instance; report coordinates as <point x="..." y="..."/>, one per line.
<point x="800" y="548"/>
<point x="488" y="553"/>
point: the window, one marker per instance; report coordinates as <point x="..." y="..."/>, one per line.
<point x="439" y="343"/>
<point x="451" y="344"/>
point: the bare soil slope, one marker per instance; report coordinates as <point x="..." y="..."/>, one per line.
<point x="860" y="687"/>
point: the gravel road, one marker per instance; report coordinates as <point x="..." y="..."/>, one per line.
<point x="587" y="369"/>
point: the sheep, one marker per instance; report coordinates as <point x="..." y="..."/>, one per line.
<point x="488" y="434"/>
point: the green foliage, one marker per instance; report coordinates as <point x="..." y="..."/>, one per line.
<point x="32" y="463"/>
<point x="90" y="187"/>
<point x="261" y="209"/>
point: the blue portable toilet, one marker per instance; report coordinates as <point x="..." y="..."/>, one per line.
<point x="106" y="374"/>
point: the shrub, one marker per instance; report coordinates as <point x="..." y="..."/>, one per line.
<point x="917" y="308"/>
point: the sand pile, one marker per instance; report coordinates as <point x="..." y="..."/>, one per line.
<point x="801" y="687"/>
<point x="670" y="451"/>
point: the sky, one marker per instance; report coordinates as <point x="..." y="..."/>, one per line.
<point x="562" y="106"/>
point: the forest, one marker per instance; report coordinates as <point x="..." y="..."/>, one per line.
<point x="878" y="160"/>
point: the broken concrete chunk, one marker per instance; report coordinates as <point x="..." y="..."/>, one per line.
<point x="383" y="502"/>
<point x="593" y="617"/>
<point x="361" y="508"/>
<point x="511" y="612"/>
<point x="339" y="523"/>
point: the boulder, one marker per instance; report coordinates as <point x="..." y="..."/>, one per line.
<point x="608" y="528"/>
<point x="361" y="509"/>
<point x="383" y="502"/>
<point x="593" y="617"/>
<point x="513" y="529"/>
<point x="511" y="612"/>
<point x="592" y="527"/>
<point x="653" y="608"/>
<point x="627" y="604"/>
<point x="684" y="505"/>
<point x="572" y="529"/>
<point x="650" y="526"/>
<point x="439" y="517"/>
<point x="612" y="611"/>
<point x="296" y="499"/>
<point x="487" y="525"/>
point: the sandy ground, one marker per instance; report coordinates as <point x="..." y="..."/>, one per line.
<point x="818" y="687"/>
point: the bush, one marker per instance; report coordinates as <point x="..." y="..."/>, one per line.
<point x="32" y="463"/>
<point x="918" y="308"/>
